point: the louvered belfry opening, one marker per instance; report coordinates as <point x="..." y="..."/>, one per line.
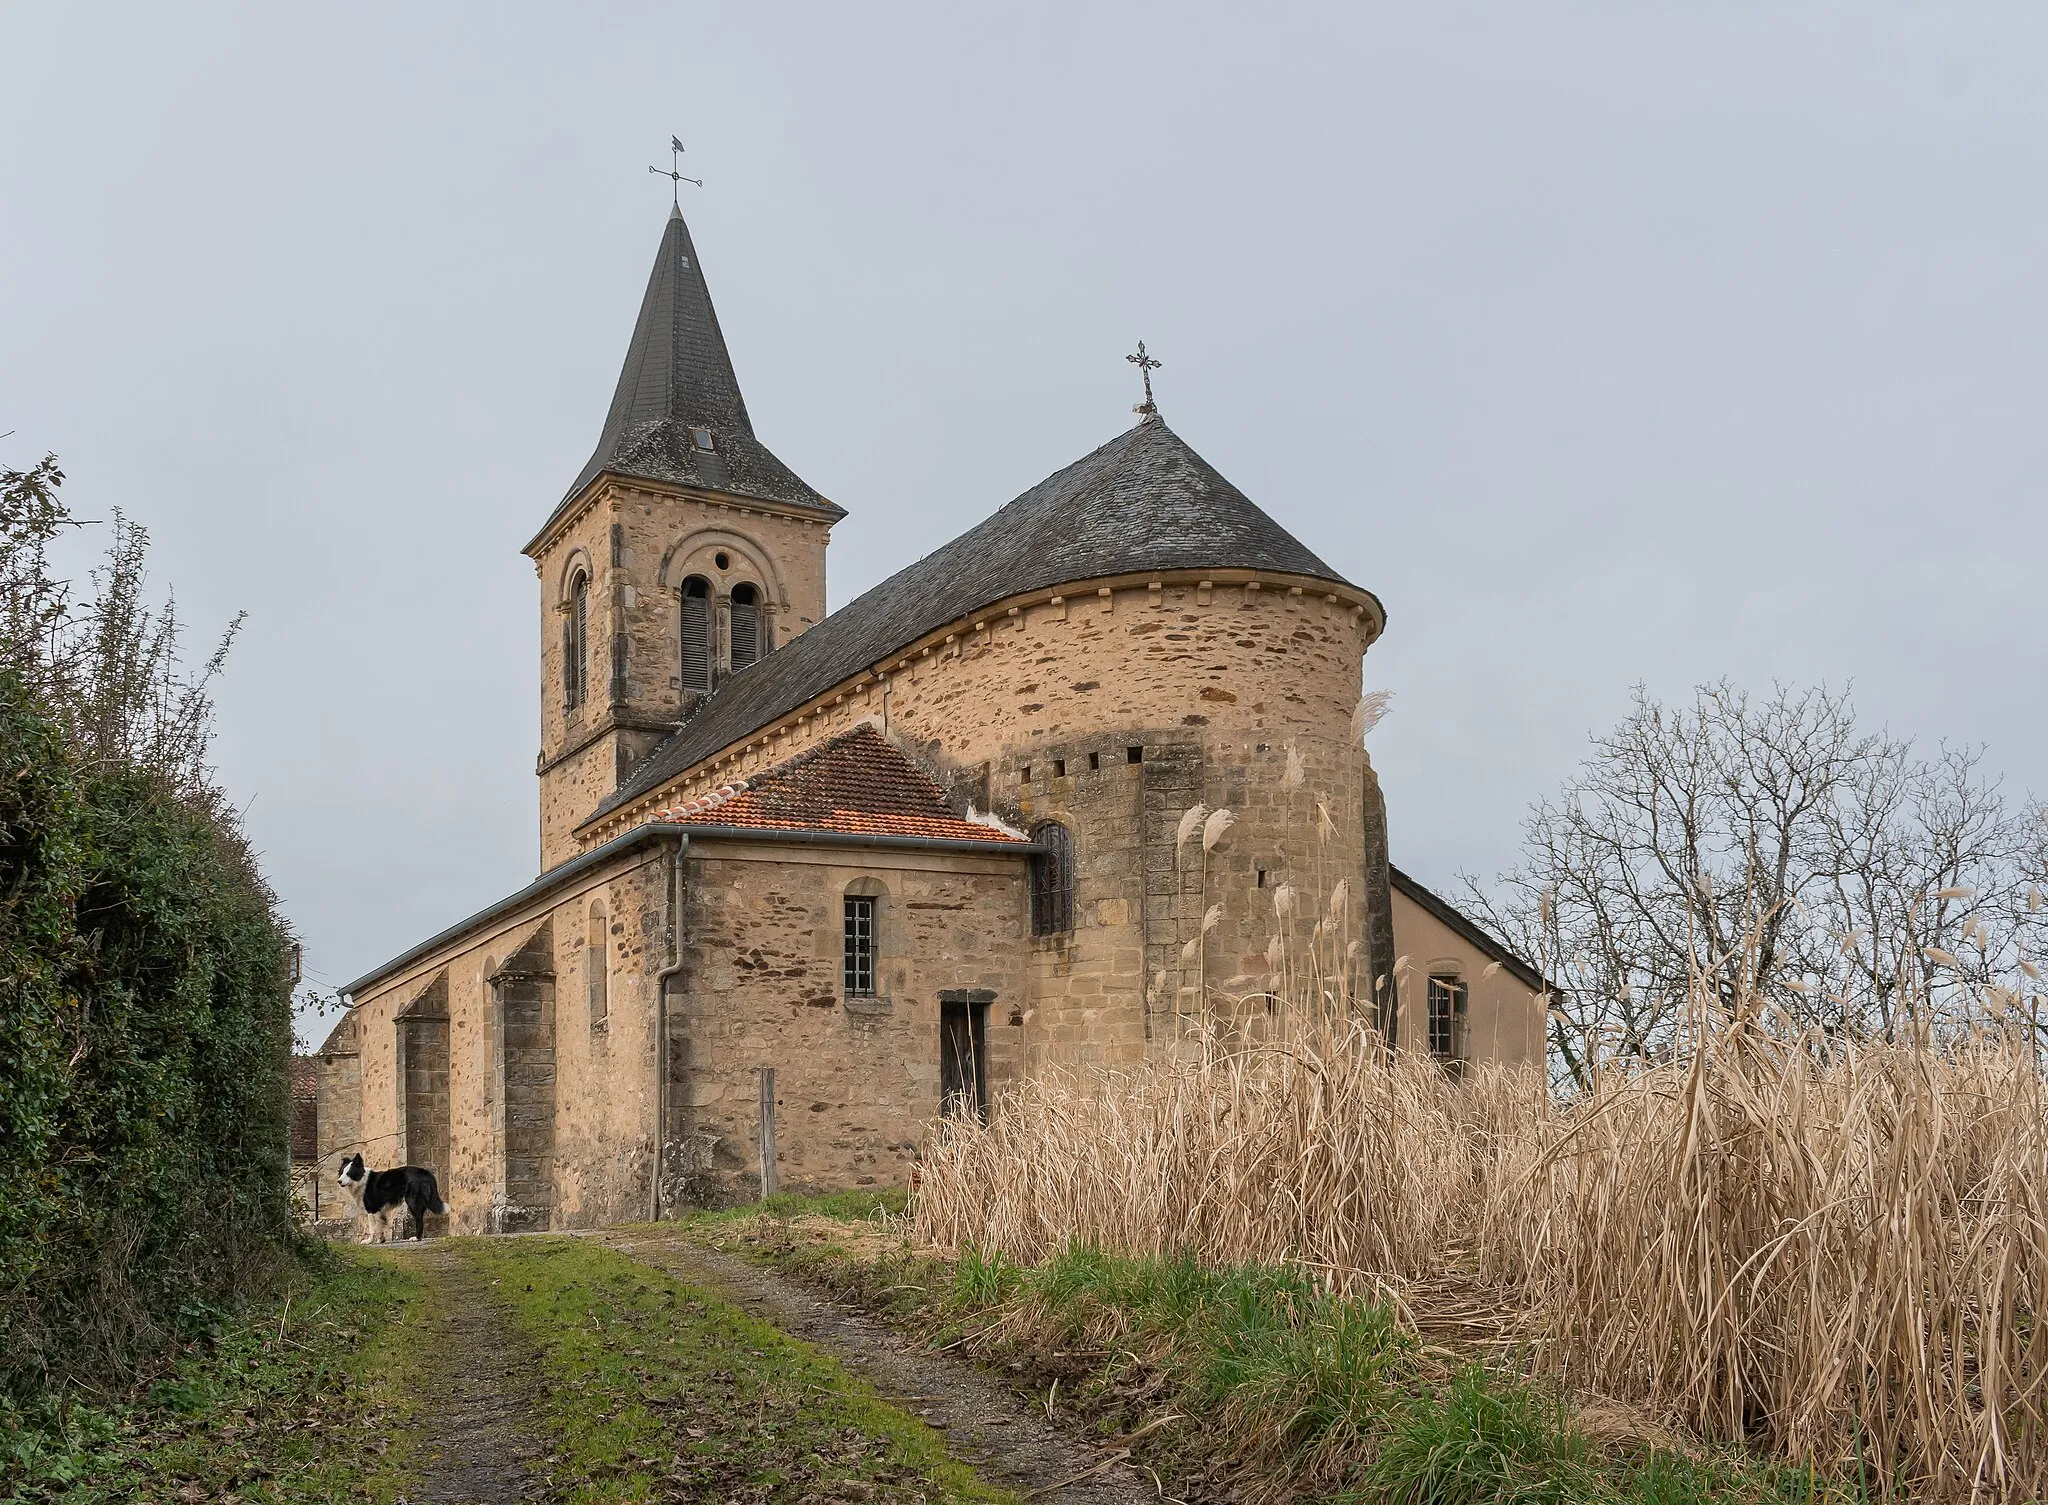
<point x="696" y="633"/>
<point x="746" y="626"/>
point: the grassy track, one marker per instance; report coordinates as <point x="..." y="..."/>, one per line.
<point x="658" y="1390"/>
<point x="1252" y="1377"/>
<point x="292" y="1401"/>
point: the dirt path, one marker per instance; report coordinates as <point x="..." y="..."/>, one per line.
<point x="1002" y="1438"/>
<point x="482" y="1421"/>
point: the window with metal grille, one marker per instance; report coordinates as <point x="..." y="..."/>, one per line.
<point x="1052" y="880"/>
<point x="575" y="641"/>
<point x="746" y="625"/>
<point x="696" y="633"/>
<point x="860" y="946"/>
<point x="1446" y="1018"/>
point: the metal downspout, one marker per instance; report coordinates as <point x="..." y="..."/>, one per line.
<point x="661" y="1061"/>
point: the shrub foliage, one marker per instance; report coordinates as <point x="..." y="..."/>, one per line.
<point x="144" y="987"/>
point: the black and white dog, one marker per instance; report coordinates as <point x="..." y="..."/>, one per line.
<point x="385" y="1197"/>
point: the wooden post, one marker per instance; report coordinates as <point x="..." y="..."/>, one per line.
<point x="769" y="1183"/>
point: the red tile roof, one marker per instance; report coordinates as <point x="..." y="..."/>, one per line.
<point x="857" y="782"/>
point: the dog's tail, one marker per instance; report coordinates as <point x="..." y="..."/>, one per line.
<point x="434" y="1202"/>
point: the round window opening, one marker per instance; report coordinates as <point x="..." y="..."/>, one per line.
<point x="723" y="561"/>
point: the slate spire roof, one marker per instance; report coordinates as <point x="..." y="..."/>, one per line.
<point x="1143" y="502"/>
<point x="678" y="378"/>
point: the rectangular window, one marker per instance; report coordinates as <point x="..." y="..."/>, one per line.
<point x="860" y="946"/>
<point x="963" y="1057"/>
<point x="1446" y="1018"/>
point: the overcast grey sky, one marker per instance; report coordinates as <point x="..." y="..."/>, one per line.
<point x="1606" y="343"/>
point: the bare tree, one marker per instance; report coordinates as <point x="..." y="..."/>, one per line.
<point x="1770" y="851"/>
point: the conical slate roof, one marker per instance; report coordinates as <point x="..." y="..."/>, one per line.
<point x="1144" y="501"/>
<point x="677" y="379"/>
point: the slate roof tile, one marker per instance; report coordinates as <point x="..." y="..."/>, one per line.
<point x="678" y="377"/>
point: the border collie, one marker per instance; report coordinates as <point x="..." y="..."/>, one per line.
<point x="385" y="1197"/>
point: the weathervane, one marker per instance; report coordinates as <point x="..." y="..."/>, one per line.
<point x="674" y="171"/>
<point x="1146" y="365"/>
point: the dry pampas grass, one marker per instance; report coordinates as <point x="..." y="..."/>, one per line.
<point x="1835" y="1253"/>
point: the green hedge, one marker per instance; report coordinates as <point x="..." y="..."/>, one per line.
<point x="145" y="1029"/>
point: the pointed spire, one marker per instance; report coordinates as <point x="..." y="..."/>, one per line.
<point x="677" y="414"/>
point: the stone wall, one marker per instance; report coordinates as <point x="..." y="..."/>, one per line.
<point x="341" y="1110"/>
<point x="1217" y="687"/>
<point x="638" y="542"/>
<point x="551" y="1113"/>
<point x="856" y="1077"/>
<point x="423" y="1072"/>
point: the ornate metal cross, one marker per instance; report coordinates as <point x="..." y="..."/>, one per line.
<point x="674" y="170"/>
<point x="1146" y="365"/>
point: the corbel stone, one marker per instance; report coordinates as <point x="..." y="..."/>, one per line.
<point x="1106" y="597"/>
<point x="1202" y="592"/>
<point x="1156" y="595"/>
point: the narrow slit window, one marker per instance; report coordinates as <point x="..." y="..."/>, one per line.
<point x="1446" y="1018"/>
<point x="1134" y="754"/>
<point x="575" y="641"/>
<point x="597" y="967"/>
<point x="860" y="946"/>
<point x="1052" y="880"/>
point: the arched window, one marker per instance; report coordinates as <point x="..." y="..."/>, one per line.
<point x="1052" y="880"/>
<point x="746" y="626"/>
<point x="696" y="633"/>
<point x="597" y="967"/>
<point x="576" y="641"/>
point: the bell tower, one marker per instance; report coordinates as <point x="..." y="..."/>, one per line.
<point x="684" y="554"/>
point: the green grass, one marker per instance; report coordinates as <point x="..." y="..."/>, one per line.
<point x="657" y="1389"/>
<point x="1288" y="1381"/>
<point x="849" y="1206"/>
<point x="269" y="1405"/>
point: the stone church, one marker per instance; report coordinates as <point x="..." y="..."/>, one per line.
<point x="866" y="867"/>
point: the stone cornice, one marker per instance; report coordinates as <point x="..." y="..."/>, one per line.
<point x="577" y="507"/>
<point x="605" y="725"/>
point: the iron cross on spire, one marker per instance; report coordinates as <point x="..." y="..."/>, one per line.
<point x="1146" y="366"/>
<point x="674" y="171"/>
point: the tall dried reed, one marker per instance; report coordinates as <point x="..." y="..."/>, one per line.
<point x="1838" y="1254"/>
